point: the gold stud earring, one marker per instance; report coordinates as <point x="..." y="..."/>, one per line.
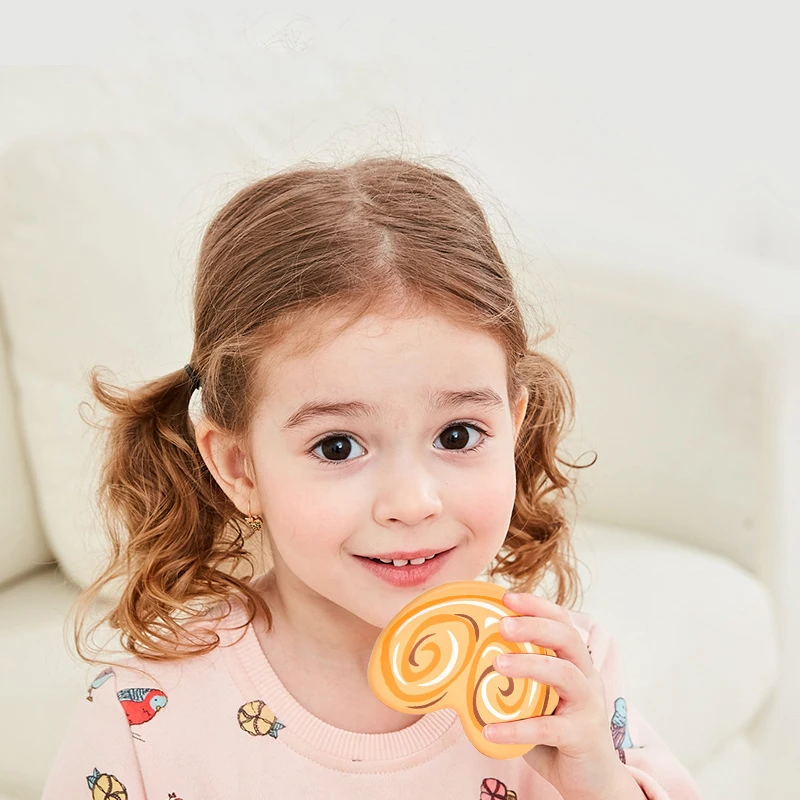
<point x="253" y="522"/>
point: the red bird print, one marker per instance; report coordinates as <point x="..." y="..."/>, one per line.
<point x="141" y="705"/>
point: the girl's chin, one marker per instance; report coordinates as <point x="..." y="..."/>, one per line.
<point x="380" y="614"/>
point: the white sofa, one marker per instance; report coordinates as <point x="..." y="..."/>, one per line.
<point x="687" y="376"/>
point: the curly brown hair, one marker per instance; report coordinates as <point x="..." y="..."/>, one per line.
<point x="306" y="243"/>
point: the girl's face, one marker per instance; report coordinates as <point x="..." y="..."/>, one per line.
<point x="406" y="466"/>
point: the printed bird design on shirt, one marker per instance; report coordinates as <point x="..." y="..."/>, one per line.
<point x="141" y="705"/>
<point x="619" y="727"/>
<point x="106" y="787"/>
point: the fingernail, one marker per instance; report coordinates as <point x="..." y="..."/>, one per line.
<point x="489" y="731"/>
<point x="510" y="625"/>
<point x="502" y="662"/>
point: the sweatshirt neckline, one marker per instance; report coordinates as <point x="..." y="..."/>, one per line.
<point x="426" y="732"/>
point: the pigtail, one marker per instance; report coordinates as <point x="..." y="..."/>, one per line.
<point x="175" y="537"/>
<point x="539" y="536"/>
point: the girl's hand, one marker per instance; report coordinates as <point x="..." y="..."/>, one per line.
<point x="574" y="749"/>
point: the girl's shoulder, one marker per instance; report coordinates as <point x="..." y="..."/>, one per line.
<point x="220" y="626"/>
<point x="585" y="623"/>
<point x="595" y="636"/>
<point x="598" y="638"/>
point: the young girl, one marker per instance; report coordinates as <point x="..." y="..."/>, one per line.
<point x="369" y="420"/>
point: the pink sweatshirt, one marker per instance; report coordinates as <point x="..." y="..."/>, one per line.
<point x="222" y="726"/>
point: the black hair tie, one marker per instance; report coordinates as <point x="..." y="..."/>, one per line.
<point x="193" y="375"/>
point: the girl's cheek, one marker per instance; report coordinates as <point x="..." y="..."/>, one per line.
<point x="497" y="498"/>
<point x="496" y="483"/>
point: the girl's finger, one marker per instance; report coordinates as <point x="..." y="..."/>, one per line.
<point x="547" y="625"/>
<point x="529" y="603"/>
<point x="551" y="731"/>
<point x="568" y="681"/>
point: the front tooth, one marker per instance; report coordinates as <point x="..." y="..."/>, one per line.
<point x="385" y="560"/>
<point x="416" y="561"/>
<point x="400" y="562"/>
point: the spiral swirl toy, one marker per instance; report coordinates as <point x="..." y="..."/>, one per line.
<point x="438" y="652"/>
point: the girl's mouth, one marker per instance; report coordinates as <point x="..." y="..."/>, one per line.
<point x="402" y="572"/>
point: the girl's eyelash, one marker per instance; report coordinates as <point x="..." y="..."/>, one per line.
<point x="455" y="424"/>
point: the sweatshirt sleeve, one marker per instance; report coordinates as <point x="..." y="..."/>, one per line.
<point x="647" y="757"/>
<point x="97" y="758"/>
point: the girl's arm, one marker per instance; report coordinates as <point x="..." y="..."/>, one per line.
<point x="97" y="757"/>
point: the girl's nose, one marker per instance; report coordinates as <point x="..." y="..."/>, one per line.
<point x="408" y="494"/>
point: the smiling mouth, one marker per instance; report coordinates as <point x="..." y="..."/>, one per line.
<point x="402" y="562"/>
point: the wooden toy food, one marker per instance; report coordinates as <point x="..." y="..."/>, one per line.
<point x="438" y="652"/>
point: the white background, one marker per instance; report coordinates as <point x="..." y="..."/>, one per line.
<point x="677" y="119"/>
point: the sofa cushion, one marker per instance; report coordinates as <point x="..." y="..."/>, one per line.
<point x="40" y="682"/>
<point x="695" y="633"/>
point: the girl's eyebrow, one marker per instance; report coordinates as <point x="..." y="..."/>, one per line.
<point x="482" y="396"/>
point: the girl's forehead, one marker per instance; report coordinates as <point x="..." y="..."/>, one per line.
<point x="337" y="341"/>
<point x="405" y="357"/>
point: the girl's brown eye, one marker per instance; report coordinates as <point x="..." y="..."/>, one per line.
<point x="336" y="448"/>
<point x="456" y="437"/>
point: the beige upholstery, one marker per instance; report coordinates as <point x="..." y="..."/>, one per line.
<point x="686" y="390"/>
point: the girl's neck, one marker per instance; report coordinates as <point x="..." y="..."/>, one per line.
<point x="315" y="628"/>
<point x="324" y="670"/>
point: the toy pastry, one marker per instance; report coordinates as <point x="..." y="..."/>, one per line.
<point x="438" y="652"/>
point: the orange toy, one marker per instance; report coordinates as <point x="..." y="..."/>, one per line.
<point x="438" y="652"/>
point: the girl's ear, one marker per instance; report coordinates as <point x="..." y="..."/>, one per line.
<point x="229" y="465"/>
<point x="519" y="411"/>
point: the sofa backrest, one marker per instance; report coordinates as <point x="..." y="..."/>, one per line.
<point x="22" y="542"/>
<point x="98" y="235"/>
<point x="680" y="361"/>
